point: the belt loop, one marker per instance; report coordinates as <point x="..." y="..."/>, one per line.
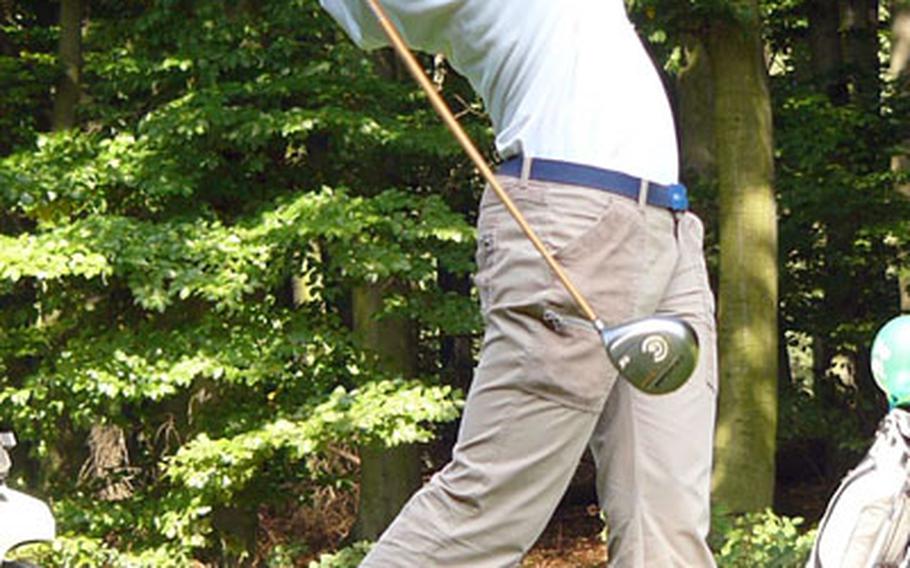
<point x="643" y="193"/>
<point x="526" y="162"/>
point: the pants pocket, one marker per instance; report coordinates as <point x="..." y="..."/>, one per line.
<point x="571" y="363"/>
<point x="606" y="262"/>
<point x="511" y="273"/>
<point x="585" y="230"/>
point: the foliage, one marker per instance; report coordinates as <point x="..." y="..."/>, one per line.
<point x="28" y="70"/>
<point x="816" y="416"/>
<point x="83" y="552"/>
<point x="760" y="539"/>
<point x="347" y="558"/>
<point x="388" y="412"/>
<point x="842" y="220"/>
<point x="843" y="231"/>
<point x="180" y="266"/>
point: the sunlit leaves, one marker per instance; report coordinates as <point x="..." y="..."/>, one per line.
<point x="227" y="153"/>
<point x="391" y="412"/>
<point x="162" y="263"/>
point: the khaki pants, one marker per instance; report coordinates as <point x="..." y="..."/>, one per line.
<point x="545" y="389"/>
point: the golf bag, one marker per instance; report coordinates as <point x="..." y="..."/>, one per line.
<point x="23" y="519"/>
<point x="867" y="522"/>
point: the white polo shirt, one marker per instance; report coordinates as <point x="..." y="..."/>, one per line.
<point x="566" y="80"/>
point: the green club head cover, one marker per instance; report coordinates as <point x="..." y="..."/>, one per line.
<point x="891" y="360"/>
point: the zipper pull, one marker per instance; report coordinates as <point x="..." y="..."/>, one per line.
<point x="553" y="320"/>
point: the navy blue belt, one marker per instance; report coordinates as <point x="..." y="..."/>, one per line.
<point x="672" y="197"/>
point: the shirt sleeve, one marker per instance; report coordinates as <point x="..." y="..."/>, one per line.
<point x="424" y="24"/>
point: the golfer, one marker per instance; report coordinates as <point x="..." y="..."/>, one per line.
<point x="580" y="117"/>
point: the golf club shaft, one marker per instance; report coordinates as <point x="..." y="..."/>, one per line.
<point x="452" y="123"/>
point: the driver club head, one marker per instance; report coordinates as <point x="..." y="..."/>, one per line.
<point x="656" y="354"/>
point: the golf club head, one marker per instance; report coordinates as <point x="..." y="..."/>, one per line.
<point x="656" y="354"/>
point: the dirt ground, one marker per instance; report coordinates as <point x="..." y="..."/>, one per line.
<point x="571" y="540"/>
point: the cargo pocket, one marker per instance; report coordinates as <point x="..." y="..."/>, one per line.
<point x="570" y="362"/>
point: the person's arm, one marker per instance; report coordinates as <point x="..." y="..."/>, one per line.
<point x="423" y="23"/>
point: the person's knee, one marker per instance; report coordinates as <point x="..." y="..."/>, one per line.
<point x="670" y="517"/>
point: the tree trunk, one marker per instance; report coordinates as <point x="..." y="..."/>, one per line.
<point x="899" y="71"/>
<point x="825" y="49"/>
<point x="457" y="359"/>
<point x="696" y="109"/>
<point x="108" y="462"/>
<point x="388" y="476"/>
<point x="784" y="368"/>
<point x="859" y="25"/>
<point x="6" y="17"/>
<point x="70" y="53"/>
<point x="899" y="68"/>
<point x="747" y="414"/>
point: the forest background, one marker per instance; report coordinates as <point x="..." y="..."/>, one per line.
<point x="237" y="316"/>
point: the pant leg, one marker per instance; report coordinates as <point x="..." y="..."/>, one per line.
<point x="514" y="459"/>
<point x="654" y="452"/>
<point x="539" y="388"/>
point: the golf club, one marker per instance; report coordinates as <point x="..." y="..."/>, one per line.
<point x="657" y="354"/>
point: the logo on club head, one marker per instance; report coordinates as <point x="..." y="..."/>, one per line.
<point x="656" y="346"/>
<point x="624" y="362"/>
